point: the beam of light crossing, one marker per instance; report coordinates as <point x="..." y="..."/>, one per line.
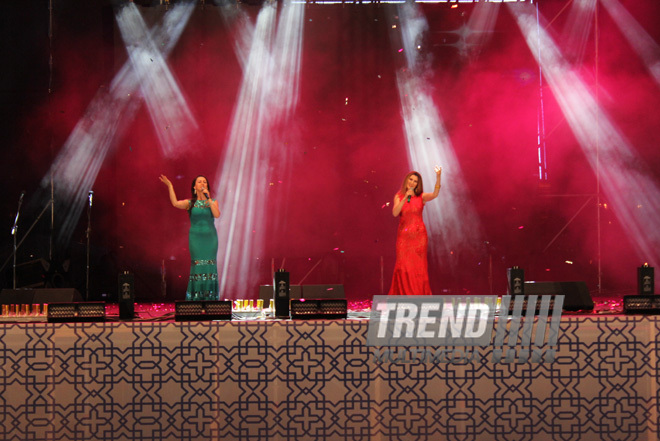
<point x="451" y="218"/>
<point x="629" y="186"/>
<point x="77" y="164"/>
<point x="234" y="17"/>
<point x="473" y="35"/>
<point x="268" y="95"/>
<point x="647" y="49"/>
<point x="577" y="29"/>
<point x="171" y="117"/>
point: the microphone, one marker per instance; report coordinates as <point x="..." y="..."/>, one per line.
<point x="409" y="196"/>
<point x="91" y="196"/>
<point x="20" y="200"/>
<point x="206" y="195"/>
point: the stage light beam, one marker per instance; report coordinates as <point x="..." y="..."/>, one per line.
<point x="173" y="122"/>
<point x="624" y="179"/>
<point x="428" y="143"/>
<point x="268" y="95"/>
<point x="76" y="166"/>
<point x="647" y="49"/>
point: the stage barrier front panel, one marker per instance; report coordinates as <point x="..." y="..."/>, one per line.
<point x="317" y="380"/>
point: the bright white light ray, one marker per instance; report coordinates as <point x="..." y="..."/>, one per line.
<point x="233" y="16"/>
<point x="577" y="29"/>
<point x="451" y="220"/>
<point x="477" y="31"/>
<point x="75" y="169"/>
<point x="268" y="94"/>
<point x="483" y="19"/>
<point x="172" y="119"/>
<point x="647" y="49"/>
<point x="631" y="190"/>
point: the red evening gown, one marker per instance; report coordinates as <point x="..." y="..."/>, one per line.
<point x="411" y="275"/>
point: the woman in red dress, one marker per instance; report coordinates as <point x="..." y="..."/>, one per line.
<point x="411" y="274"/>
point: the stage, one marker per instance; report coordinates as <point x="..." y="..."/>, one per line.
<point x="266" y="379"/>
<point x="305" y="118"/>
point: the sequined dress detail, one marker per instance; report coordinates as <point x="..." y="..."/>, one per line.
<point x="203" y="245"/>
<point x="411" y="276"/>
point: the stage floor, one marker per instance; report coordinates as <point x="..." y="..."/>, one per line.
<point x="357" y="309"/>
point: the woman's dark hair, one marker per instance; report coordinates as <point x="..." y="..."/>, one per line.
<point x="420" y="185"/>
<point x="193" y="199"/>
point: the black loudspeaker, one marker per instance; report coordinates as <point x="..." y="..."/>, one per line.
<point x="266" y="293"/>
<point x="281" y="293"/>
<point x="576" y="295"/>
<point x="641" y="304"/>
<point x="645" y="280"/>
<point x="39" y="296"/>
<point x="31" y="274"/>
<point x="307" y="309"/>
<point x="126" y="296"/>
<point x="516" y="281"/>
<point x="199" y="310"/>
<point x="76" y="312"/>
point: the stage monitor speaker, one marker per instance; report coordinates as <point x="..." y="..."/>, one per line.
<point x="31" y="274"/>
<point x="266" y="293"/>
<point x="202" y="310"/>
<point x="322" y="292"/>
<point x="308" y="309"/>
<point x="39" y="296"/>
<point x="576" y="295"/>
<point x="641" y="304"/>
<point x="76" y="312"/>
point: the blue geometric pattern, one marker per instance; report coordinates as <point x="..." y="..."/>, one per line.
<point x="316" y="380"/>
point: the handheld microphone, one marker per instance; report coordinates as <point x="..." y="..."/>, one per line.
<point x="20" y="200"/>
<point x="91" y="196"/>
<point x="408" y="198"/>
<point x="206" y="195"/>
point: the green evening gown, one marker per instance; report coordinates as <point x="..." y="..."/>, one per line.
<point x="203" y="244"/>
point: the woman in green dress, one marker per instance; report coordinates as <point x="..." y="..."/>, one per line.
<point x="202" y="238"/>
